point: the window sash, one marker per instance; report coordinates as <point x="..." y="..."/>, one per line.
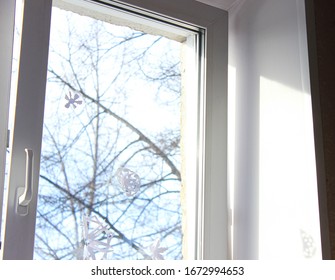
<point x="211" y="225"/>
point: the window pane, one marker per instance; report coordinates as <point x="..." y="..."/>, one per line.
<point x="110" y="173"/>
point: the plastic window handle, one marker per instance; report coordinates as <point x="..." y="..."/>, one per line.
<point x="26" y="197"/>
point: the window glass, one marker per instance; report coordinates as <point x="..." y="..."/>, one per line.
<point x="110" y="175"/>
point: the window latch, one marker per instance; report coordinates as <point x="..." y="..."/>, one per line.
<point x="25" y="194"/>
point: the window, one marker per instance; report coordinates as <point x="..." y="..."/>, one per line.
<point x="86" y="109"/>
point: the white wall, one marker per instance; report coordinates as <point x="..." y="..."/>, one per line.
<point x="272" y="162"/>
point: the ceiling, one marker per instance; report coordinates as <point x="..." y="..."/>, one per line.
<point x="222" y="4"/>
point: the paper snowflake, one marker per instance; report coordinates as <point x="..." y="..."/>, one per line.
<point x="308" y="244"/>
<point x="129" y="181"/>
<point x="72" y="100"/>
<point x="156" y="250"/>
<point x="97" y="239"/>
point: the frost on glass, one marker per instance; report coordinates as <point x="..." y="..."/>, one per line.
<point x="111" y="144"/>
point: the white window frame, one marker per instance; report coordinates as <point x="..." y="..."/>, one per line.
<point x="7" y="20"/>
<point x="211" y="240"/>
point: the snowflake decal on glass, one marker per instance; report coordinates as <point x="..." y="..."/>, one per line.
<point x="129" y="181"/>
<point x="156" y="250"/>
<point x="72" y="100"/>
<point x="308" y="244"/>
<point x="97" y="239"/>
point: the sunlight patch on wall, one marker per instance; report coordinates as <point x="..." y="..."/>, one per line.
<point x="231" y="146"/>
<point x="288" y="213"/>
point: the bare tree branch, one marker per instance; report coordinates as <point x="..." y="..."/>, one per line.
<point x="87" y="206"/>
<point x="142" y="136"/>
